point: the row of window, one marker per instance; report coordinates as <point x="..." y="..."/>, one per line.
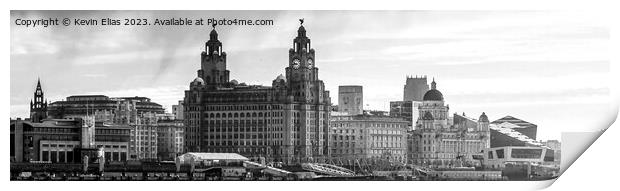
<point x="67" y="156"/>
<point x="237" y="107"/>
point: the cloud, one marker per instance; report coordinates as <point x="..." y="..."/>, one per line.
<point x="546" y="56"/>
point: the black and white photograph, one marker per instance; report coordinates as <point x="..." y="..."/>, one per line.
<point x="300" y="95"/>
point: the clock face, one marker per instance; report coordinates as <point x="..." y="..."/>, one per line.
<point x="296" y="63"/>
<point x="310" y="63"/>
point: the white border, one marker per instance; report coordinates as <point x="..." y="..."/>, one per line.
<point x="595" y="169"/>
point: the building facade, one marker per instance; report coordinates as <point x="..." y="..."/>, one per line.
<point x="351" y="100"/>
<point x="408" y="110"/>
<point x="140" y="113"/>
<point x="170" y="138"/>
<point x="62" y="140"/>
<point x="441" y="142"/>
<point x="285" y="122"/>
<point x="177" y="110"/>
<point x="356" y="137"/>
<point x="415" y="88"/>
<point x="59" y="140"/>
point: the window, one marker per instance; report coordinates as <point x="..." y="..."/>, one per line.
<point x="54" y="156"/>
<point x="46" y="156"/>
<point x="549" y="155"/>
<point x="500" y="153"/>
<point x="69" y="156"/>
<point x="61" y="156"/>
<point x="526" y="153"/>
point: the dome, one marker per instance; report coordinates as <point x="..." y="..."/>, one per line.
<point x="280" y="77"/>
<point x="483" y="118"/>
<point x="198" y="81"/>
<point x="433" y="95"/>
<point x="234" y="82"/>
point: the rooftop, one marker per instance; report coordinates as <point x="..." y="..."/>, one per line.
<point x="517" y="123"/>
<point x="507" y="129"/>
<point x="215" y="156"/>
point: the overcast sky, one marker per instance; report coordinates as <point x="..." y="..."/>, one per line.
<point x="548" y="68"/>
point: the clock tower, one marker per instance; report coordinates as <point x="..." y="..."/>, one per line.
<point x="213" y="62"/>
<point x="301" y="73"/>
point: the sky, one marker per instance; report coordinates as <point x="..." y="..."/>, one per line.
<point x="550" y="68"/>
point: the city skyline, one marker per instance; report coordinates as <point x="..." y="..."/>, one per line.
<point x="471" y="79"/>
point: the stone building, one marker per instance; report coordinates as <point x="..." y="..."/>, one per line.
<point x="177" y="110"/>
<point x="442" y="142"/>
<point x="284" y="122"/>
<point x="170" y="138"/>
<point x="355" y="137"/>
<point x="351" y="100"/>
<point x="38" y="108"/>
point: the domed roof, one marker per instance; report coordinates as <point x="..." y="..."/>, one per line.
<point x="483" y="118"/>
<point x="234" y="82"/>
<point x="281" y="77"/>
<point x="433" y="94"/>
<point x="198" y="80"/>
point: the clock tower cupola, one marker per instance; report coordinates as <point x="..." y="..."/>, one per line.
<point x="213" y="62"/>
<point x="302" y="73"/>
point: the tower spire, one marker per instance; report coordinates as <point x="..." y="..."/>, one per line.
<point x="38" y="108"/>
<point x="433" y="84"/>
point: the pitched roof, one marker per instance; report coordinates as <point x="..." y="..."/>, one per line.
<point x="508" y="130"/>
<point x="215" y="156"/>
<point x="518" y="122"/>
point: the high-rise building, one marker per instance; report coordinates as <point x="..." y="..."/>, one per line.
<point x="170" y="135"/>
<point x="285" y="122"/>
<point x="408" y="110"/>
<point x="351" y="100"/>
<point x="415" y="88"/>
<point x="177" y="110"/>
